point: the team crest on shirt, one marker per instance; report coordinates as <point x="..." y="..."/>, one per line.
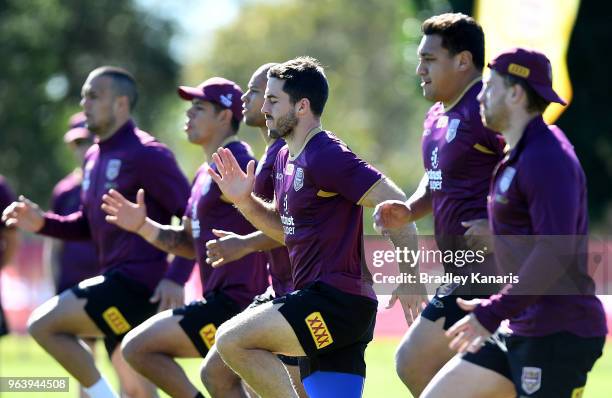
<point x="298" y="180"/>
<point x="451" y="132"/>
<point x="112" y="169"/>
<point x="506" y="179"/>
<point x="531" y="379"/>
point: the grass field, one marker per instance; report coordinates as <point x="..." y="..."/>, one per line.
<point x="20" y="356"/>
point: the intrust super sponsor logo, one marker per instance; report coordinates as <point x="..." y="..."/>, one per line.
<point x="207" y="333"/>
<point x="115" y="319"/>
<point x="320" y="334"/>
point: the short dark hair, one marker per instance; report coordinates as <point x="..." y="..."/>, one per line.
<point x="535" y="102"/>
<point x="235" y="124"/>
<point x="304" y="78"/>
<point x="459" y="33"/>
<point x="123" y="82"/>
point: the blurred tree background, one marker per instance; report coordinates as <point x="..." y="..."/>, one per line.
<point x="368" y="48"/>
<point x="47" y="48"/>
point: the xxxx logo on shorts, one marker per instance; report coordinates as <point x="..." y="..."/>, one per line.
<point x="318" y="329"/>
<point x="207" y="333"/>
<point x="115" y="319"/>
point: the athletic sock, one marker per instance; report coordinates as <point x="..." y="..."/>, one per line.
<point x="101" y="389"/>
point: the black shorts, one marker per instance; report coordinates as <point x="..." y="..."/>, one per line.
<point x="553" y="366"/>
<point x="263" y="298"/>
<point x="329" y="322"/>
<point x="116" y="304"/>
<point x="447" y="307"/>
<point x="350" y="359"/>
<point x="202" y="318"/>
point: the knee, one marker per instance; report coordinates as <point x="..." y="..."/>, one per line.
<point x="208" y="373"/>
<point x="404" y="361"/>
<point x="138" y="389"/>
<point x="132" y="349"/>
<point x="216" y="375"/>
<point x="38" y="325"/>
<point x="226" y="340"/>
<point x="131" y="390"/>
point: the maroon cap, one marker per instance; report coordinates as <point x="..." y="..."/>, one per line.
<point x="77" y="128"/>
<point x="531" y="65"/>
<point x="218" y="90"/>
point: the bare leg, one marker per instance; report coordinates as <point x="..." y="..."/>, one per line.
<point x="248" y="344"/>
<point x="219" y="379"/>
<point x="56" y="325"/>
<point x="463" y="379"/>
<point x="133" y="385"/>
<point x="422" y="353"/>
<point x="91" y="344"/>
<point x="151" y="348"/>
<point x="294" y="375"/>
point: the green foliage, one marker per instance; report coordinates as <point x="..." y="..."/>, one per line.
<point x="47" y="49"/>
<point x="369" y="51"/>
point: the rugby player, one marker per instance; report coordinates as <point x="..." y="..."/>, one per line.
<point x="539" y="204"/>
<point x="231" y="246"/>
<point x="459" y="155"/>
<point x="319" y="188"/>
<point x="71" y="262"/>
<point x="135" y="274"/>
<point x="213" y="120"/>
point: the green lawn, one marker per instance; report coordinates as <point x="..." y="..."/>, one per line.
<point x="20" y="356"/>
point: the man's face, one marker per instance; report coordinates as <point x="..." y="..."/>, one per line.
<point x="202" y="122"/>
<point x="436" y="68"/>
<point x="493" y="108"/>
<point x="278" y="110"/>
<point x="252" y="100"/>
<point x="98" y="102"/>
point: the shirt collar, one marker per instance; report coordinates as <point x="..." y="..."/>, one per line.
<point x="229" y="140"/>
<point x="465" y="90"/>
<point x="119" y="136"/>
<point x="534" y="126"/>
<point x="314" y="131"/>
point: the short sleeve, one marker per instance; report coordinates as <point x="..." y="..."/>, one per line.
<point x="336" y="169"/>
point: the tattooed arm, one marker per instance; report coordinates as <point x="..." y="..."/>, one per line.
<point x="172" y="239"/>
